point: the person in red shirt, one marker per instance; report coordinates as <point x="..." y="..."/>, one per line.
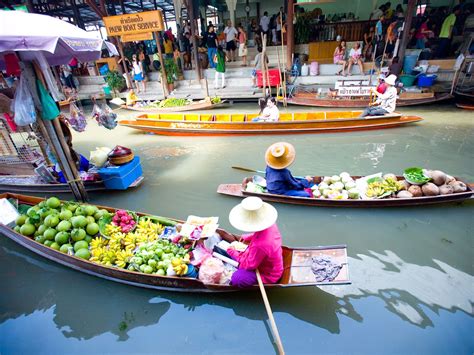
<point x="264" y="252"/>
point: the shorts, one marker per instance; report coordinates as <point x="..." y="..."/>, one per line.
<point x="242" y="50"/>
<point x="138" y="77"/>
<point x="230" y="46"/>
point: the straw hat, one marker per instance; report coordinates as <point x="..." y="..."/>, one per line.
<point x="253" y="215"/>
<point x="280" y="155"/>
<point x="391" y="79"/>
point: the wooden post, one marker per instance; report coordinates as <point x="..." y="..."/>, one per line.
<point x="190" y="8"/>
<point x="124" y="65"/>
<point x="263" y="64"/>
<point x="164" y="78"/>
<point x="406" y="29"/>
<point x="283" y="84"/>
<point x="290" y="34"/>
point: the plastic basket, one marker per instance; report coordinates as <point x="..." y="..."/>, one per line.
<point x="407" y="80"/>
<point x="426" y="80"/>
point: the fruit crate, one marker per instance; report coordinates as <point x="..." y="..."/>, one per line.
<point x="121" y="177"/>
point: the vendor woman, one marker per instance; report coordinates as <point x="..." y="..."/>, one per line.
<point x="264" y="251"/>
<point x="279" y="157"/>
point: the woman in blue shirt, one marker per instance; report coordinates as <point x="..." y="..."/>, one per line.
<point x="278" y="157"/>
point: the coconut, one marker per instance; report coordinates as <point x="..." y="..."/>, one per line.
<point x="449" y="179"/>
<point x="458" y="186"/>
<point x="406" y="185"/>
<point x="404" y="194"/>
<point x="430" y="189"/>
<point x="446" y="189"/>
<point x="439" y="178"/>
<point x="390" y="176"/>
<point x="415" y="190"/>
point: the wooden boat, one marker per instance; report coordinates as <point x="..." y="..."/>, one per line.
<point x="406" y="99"/>
<point x="238" y="190"/>
<point x="33" y="184"/>
<point x="191" y="107"/>
<point x="189" y="124"/>
<point x="465" y="105"/>
<point x="297" y="262"/>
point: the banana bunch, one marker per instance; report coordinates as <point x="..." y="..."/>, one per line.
<point x="378" y="188"/>
<point x="148" y="229"/>
<point x="180" y="266"/>
<point x="111" y="229"/>
<point x="123" y="258"/>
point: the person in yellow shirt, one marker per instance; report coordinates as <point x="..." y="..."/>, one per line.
<point x="445" y="35"/>
<point x="168" y="44"/>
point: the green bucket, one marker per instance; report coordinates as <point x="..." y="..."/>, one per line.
<point x="407" y="80"/>
<point x="106" y="90"/>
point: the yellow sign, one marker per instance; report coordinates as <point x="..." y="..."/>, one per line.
<point x="137" y="37"/>
<point x="141" y="22"/>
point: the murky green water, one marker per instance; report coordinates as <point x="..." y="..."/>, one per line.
<point x="412" y="274"/>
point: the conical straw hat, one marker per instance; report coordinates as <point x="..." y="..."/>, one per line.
<point x="280" y="155"/>
<point x="253" y="215"/>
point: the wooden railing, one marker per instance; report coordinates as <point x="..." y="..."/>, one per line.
<point x="349" y="31"/>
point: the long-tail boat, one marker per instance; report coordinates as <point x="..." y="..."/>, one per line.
<point x="297" y="263"/>
<point x="190" y="124"/>
<point x="239" y="190"/>
<point x="406" y="99"/>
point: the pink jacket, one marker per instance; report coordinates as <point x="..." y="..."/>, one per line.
<point x="263" y="253"/>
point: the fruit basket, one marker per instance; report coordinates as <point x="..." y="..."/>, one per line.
<point x="416" y="176"/>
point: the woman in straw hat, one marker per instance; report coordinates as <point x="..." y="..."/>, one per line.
<point x="278" y="157"/>
<point x="264" y="251"/>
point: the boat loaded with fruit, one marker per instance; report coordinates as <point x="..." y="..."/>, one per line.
<point x="145" y="250"/>
<point x="114" y="169"/>
<point x="417" y="186"/>
<point x="171" y="104"/>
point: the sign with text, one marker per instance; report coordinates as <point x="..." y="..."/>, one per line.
<point x="141" y="22"/>
<point x="354" y="91"/>
<point x="137" y="37"/>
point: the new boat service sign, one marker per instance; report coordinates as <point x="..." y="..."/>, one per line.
<point x="132" y="24"/>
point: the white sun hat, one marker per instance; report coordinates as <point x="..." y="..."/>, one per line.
<point x="253" y="215"/>
<point x="391" y="79"/>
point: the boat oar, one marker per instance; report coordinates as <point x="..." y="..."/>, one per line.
<point x="248" y="169"/>
<point x="258" y="171"/>
<point x="276" y="335"/>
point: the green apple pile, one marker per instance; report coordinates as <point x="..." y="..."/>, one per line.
<point x="156" y="257"/>
<point x="68" y="227"/>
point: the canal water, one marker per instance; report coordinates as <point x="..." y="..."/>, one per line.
<point x="412" y="274"/>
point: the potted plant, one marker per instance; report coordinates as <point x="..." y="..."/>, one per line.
<point x="115" y="81"/>
<point x="171" y="72"/>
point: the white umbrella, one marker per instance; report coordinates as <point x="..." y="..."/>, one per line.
<point x="60" y="41"/>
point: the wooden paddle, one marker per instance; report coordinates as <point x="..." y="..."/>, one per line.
<point x="276" y="335"/>
<point x="258" y="171"/>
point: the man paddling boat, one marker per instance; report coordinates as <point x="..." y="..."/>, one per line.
<point x="386" y="102"/>
<point x="280" y="181"/>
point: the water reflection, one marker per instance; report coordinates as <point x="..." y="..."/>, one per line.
<point x="406" y="287"/>
<point x="86" y="306"/>
<point x="78" y="313"/>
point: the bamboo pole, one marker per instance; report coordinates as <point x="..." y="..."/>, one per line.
<point x="164" y="78"/>
<point x="64" y="154"/>
<point x="283" y="84"/>
<point x="263" y="64"/>
<point x="273" y="325"/>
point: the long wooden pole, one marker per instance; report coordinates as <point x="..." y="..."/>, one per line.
<point x="57" y="137"/>
<point x="164" y="78"/>
<point x="124" y="64"/>
<point x="263" y="66"/>
<point x="276" y="335"/>
<point x="283" y="84"/>
<point x="290" y="38"/>
<point x="406" y="28"/>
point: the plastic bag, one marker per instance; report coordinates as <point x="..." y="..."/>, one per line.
<point x="76" y="118"/>
<point x="23" y="105"/>
<point x="99" y="157"/>
<point x="104" y="116"/>
<point x="211" y="271"/>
